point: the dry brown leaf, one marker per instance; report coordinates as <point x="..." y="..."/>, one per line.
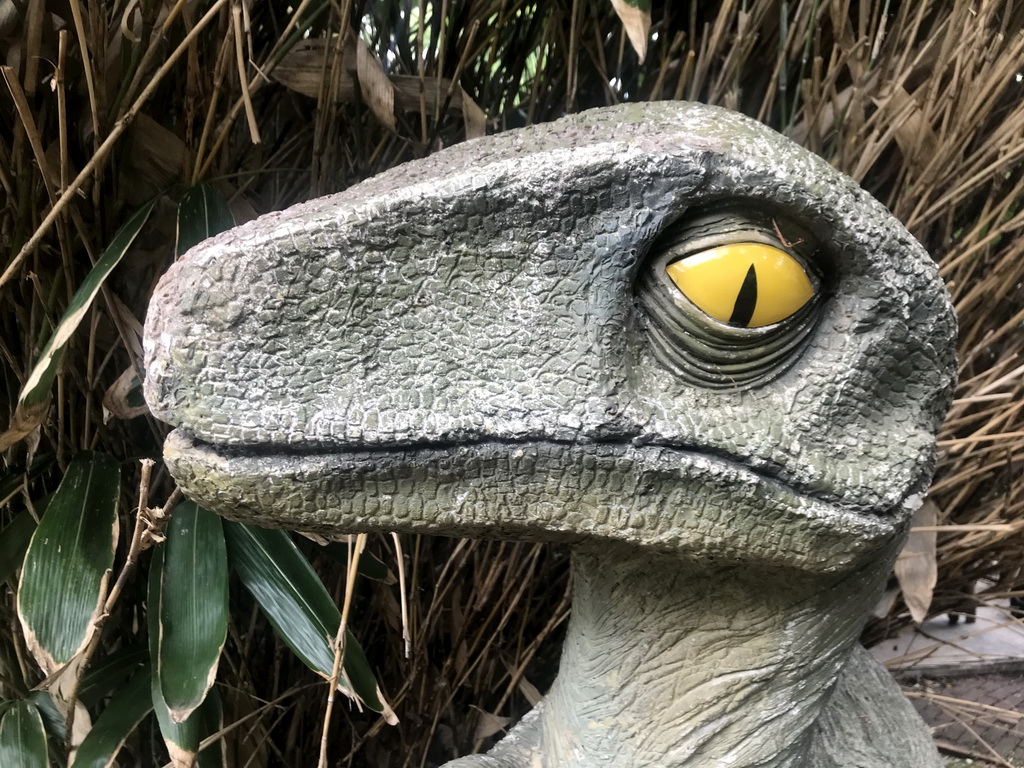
<point x="241" y="209"/>
<point x="488" y="724"/>
<point x="435" y="90"/>
<point x="915" y="567"/>
<point x="131" y="21"/>
<point x="25" y="420"/>
<point x="474" y="117"/>
<point x="62" y="690"/>
<point x="301" y="70"/>
<point x="154" y="161"/>
<point x="180" y="757"/>
<point x="914" y="135"/>
<point x="374" y="85"/>
<point x="10" y="20"/>
<point x="529" y="690"/>
<point x="316" y="538"/>
<point x="637" y="24"/>
<point x="116" y="400"/>
<point x="885" y="603"/>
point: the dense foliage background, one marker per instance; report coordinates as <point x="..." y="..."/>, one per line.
<point x="128" y="130"/>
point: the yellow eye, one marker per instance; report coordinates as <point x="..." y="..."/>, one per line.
<point x="748" y="285"/>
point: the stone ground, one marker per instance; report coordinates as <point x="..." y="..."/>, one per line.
<point x="967" y="681"/>
<point x="976" y="715"/>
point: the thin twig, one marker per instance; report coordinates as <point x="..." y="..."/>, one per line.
<point x="339" y="639"/>
<point x="98" y="160"/>
<point x="406" y="635"/>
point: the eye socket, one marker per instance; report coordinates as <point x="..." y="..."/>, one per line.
<point x="746" y="285"/>
<point x="727" y="302"/>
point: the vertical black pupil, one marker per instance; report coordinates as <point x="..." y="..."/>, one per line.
<point x="743" y="310"/>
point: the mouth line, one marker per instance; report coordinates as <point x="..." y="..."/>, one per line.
<point x="370" y="452"/>
<point x="669" y="500"/>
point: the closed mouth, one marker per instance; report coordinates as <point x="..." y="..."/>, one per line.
<point x="671" y="499"/>
<point x="390" y="452"/>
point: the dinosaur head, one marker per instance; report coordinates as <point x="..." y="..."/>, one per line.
<point x="663" y="324"/>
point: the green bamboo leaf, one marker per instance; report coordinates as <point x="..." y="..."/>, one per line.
<point x="14" y="541"/>
<point x="53" y="721"/>
<point x="298" y="606"/>
<point x="287" y="589"/>
<point x="22" y="738"/>
<point x="193" y="607"/>
<point x="202" y="213"/>
<point x="115" y="723"/>
<point x="109" y="672"/>
<point x="37" y="387"/>
<point x="64" y="577"/>
<point x="182" y="739"/>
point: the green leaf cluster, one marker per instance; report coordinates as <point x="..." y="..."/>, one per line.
<point x="62" y="550"/>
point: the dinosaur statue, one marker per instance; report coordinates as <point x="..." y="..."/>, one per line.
<point x="660" y="333"/>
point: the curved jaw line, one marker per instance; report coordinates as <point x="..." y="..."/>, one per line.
<point x="664" y="499"/>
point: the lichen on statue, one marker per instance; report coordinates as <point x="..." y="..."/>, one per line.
<point x="660" y="333"/>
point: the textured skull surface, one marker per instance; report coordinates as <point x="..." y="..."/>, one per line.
<point x="487" y="343"/>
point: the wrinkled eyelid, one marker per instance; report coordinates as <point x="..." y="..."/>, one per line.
<point x="745" y="285"/>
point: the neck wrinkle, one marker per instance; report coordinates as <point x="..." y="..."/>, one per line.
<point x="678" y="664"/>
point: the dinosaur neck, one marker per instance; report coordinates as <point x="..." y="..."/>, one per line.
<point x="671" y="663"/>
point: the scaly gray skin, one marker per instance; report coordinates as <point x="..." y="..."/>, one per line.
<point x="483" y="343"/>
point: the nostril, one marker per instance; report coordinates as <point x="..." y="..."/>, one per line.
<point x="162" y="389"/>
